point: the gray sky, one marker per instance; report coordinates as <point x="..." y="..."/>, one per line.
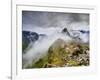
<point x="51" y="19"/>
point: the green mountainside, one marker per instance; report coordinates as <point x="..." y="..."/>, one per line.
<point x="64" y="54"/>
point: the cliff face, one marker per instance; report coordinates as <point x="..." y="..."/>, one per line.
<point x="64" y="54"/>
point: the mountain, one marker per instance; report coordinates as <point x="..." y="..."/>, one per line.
<point x="78" y="35"/>
<point x="64" y="54"/>
<point x="28" y="37"/>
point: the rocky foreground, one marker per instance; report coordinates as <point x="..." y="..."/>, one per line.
<point x="64" y="54"/>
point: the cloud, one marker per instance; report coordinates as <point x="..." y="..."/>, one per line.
<point x="51" y="19"/>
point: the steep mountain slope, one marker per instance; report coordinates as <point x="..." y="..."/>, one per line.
<point x="64" y="54"/>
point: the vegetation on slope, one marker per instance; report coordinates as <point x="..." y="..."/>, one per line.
<point x="64" y="54"/>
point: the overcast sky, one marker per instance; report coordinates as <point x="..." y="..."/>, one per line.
<point x="31" y="19"/>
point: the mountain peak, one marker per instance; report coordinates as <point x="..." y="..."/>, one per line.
<point x="59" y="43"/>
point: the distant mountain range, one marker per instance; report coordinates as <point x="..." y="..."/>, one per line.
<point x="77" y="35"/>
